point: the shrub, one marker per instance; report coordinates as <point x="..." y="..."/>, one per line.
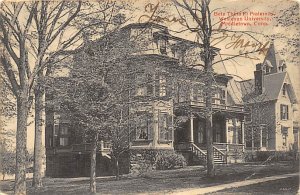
<point x="261" y="156"/>
<point x="169" y="160"/>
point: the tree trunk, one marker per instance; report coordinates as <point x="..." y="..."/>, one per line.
<point x="21" y="136"/>
<point x="38" y="152"/>
<point x="93" y="166"/>
<point x="208" y="56"/>
<point x="117" y="169"/>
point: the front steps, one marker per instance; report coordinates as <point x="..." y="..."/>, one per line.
<point x="200" y="155"/>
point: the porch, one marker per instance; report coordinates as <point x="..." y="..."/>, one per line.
<point x="228" y="138"/>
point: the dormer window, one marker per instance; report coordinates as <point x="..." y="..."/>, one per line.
<point x="163" y="46"/>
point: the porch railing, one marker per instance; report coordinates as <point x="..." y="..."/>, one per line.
<point x="200" y="104"/>
<point x="198" y="152"/>
<point x="230" y="147"/>
<point x="218" y="154"/>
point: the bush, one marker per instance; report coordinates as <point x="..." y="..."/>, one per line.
<point x="260" y="156"/>
<point x="169" y="160"/>
<point x="146" y="160"/>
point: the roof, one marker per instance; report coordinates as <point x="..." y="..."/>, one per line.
<point x="272" y="86"/>
<point x="273" y="59"/>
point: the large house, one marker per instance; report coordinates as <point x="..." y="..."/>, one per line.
<point x="168" y="91"/>
<point x="271" y="104"/>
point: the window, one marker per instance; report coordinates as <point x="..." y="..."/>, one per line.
<point x="64" y="130"/>
<point x="284" y="89"/>
<point x="162" y="86"/>
<point x="284" y="136"/>
<point x="268" y="70"/>
<point x="165" y="122"/>
<point x="150" y="87"/>
<point x="182" y="92"/>
<point x="219" y="97"/>
<point x="64" y="134"/>
<point x="63" y="141"/>
<point x="163" y="46"/>
<point x="284" y="112"/>
<point x="143" y="126"/>
<point x="264" y="136"/>
<point x="141" y="89"/>
<point x="197" y="93"/>
<point x="55" y="130"/>
<point x="284" y="132"/>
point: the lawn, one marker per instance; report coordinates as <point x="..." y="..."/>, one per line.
<point x="159" y="182"/>
<point x="288" y="186"/>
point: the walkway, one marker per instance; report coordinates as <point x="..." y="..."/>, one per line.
<point x="232" y="185"/>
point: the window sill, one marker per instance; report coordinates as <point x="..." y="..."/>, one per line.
<point x="284" y="119"/>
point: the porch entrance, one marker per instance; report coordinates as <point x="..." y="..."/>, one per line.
<point x="193" y="131"/>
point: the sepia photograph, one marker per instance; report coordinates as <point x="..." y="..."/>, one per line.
<point x="149" y="97"/>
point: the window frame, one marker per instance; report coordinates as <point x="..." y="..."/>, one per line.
<point x="284" y="112"/>
<point x="167" y="130"/>
<point x="147" y="119"/>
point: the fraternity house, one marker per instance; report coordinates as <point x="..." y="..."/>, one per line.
<point x="169" y="106"/>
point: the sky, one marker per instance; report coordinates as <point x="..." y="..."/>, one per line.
<point x="242" y="67"/>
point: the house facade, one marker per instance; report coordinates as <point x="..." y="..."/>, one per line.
<point x="166" y="103"/>
<point x="271" y="103"/>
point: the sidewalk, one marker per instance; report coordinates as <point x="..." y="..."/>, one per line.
<point x="231" y="185"/>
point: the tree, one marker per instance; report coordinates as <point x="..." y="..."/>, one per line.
<point x="93" y="95"/>
<point x="28" y="33"/>
<point x="7" y="156"/>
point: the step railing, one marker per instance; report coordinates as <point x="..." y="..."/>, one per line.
<point x="219" y="154"/>
<point x="200" y="153"/>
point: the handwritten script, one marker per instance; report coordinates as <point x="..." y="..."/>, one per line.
<point x="153" y="16"/>
<point x="235" y="41"/>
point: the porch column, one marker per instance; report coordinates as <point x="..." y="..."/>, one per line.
<point x="235" y="133"/>
<point x="226" y="134"/>
<point x="243" y="133"/>
<point x="191" y="129"/>
<point x="260" y="137"/>
<point x="252" y="138"/>
<point x="226" y="130"/>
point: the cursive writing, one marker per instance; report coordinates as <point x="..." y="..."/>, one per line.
<point x="153" y="16"/>
<point x="237" y="42"/>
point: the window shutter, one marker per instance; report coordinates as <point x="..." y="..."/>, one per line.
<point x="287" y="112"/>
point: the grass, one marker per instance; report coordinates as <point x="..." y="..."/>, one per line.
<point x="288" y="186"/>
<point x="159" y="182"/>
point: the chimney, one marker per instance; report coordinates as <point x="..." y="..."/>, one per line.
<point x="259" y="79"/>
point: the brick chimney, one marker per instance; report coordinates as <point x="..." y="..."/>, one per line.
<point x="259" y="79"/>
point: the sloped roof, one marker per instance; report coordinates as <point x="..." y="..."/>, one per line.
<point x="273" y="59"/>
<point x="272" y="86"/>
